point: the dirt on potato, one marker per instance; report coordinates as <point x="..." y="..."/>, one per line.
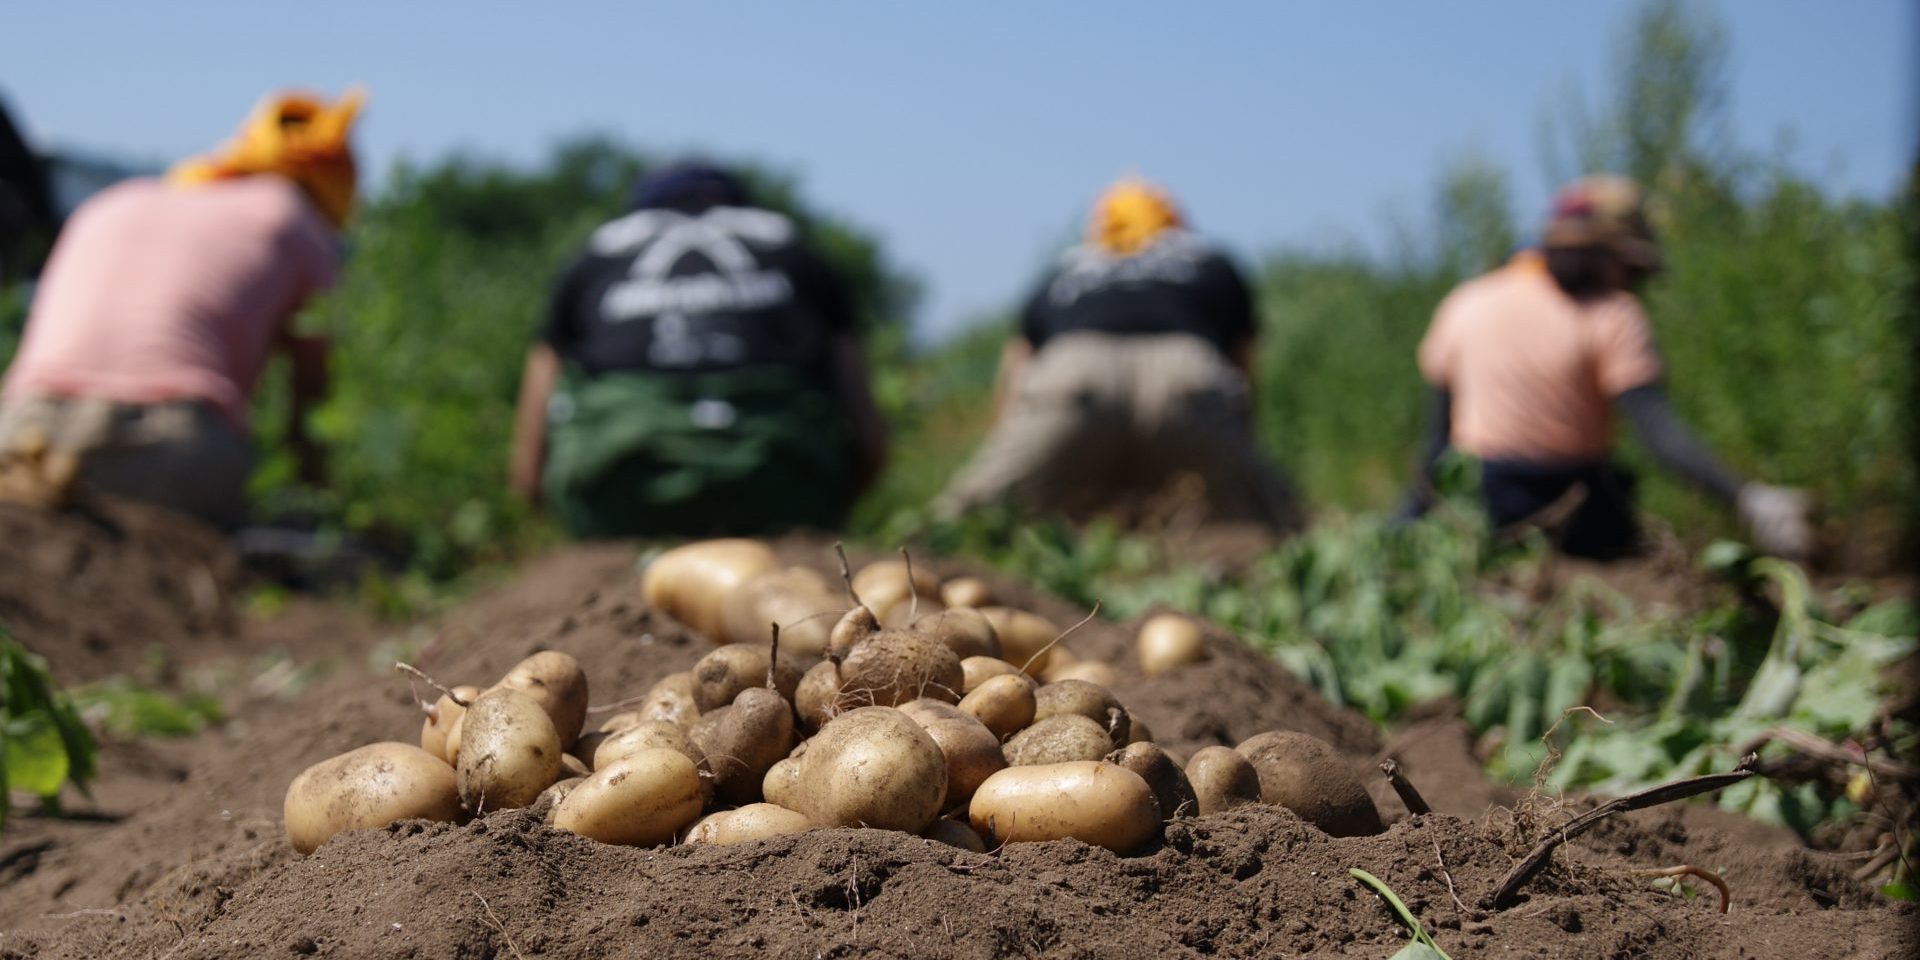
<point x="180" y="852"/>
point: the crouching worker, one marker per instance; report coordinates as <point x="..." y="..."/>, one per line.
<point x="699" y="374"/>
<point x="1528" y="364"/>
<point x="1129" y="374"/>
<point x="159" y="308"/>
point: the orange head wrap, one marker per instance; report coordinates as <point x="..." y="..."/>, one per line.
<point x="295" y="136"/>
<point x="1129" y="215"/>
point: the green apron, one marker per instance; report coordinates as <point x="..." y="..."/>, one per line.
<point x="730" y="453"/>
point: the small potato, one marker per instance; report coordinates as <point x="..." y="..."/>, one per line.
<point x="755" y="821"/>
<point x="671" y="699"/>
<point x="695" y="583"/>
<point x="1058" y="740"/>
<point x="781" y="785"/>
<point x="1089" y="671"/>
<point x="813" y="698"/>
<point x="643" y="800"/>
<point x="441" y="718"/>
<point x="1308" y="776"/>
<point x="853" y="629"/>
<point x="1170" y="787"/>
<point x="1023" y="637"/>
<point x="1167" y="641"/>
<point x="572" y="766"/>
<point x="953" y="833"/>
<point x="873" y="767"/>
<point x="509" y="751"/>
<point x="1003" y="703"/>
<point x="1089" y="801"/>
<point x="557" y="683"/>
<point x="971" y="592"/>
<point x="925" y="711"/>
<point x="549" y="799"/>
<point x="884" y="584"/>
<point x="1222" y="779"/>
<point x="368" y="788"/>
<point x="742" y="741"/>
<point x="722" y="674"/>
<point x="965" y="631"/>
<point x="977" y="670"/>
<point x="972" y="753"/>
<point x="1081" y="698"/>
<point x="584" y="748"/>
<point x="895" y="666"/>
<point x="805" y="605"/>
<point x="645" y="736"/>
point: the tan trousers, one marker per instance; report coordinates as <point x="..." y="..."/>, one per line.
<point x="181" y="455"/>
<point x="1101" y="423"/>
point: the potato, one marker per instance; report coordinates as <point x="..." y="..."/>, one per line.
<point x="971" y="592"/>
<point x="953" y="833"/>
<point x="509" y="751"/>
<point x="1306" y="775"/>
<point x="1085" y="699"/>
<point x="966" y="632"/>
<point x="555" y="681"/>
<point x="742" y="741"/>
<point x="1023" y="637"/>
<point x="883" y="585"/>
<point x="813" y="698"/>
<point x="440" y="720"/>
<point x="368" y="788"/>
<point x="1058" y="740"/>
<point x="895" y="666"/>
<point x="1222" y="779"/>
<point x="805" y="604"/>
<point x="755" y="821"/>
<point x="872" y="767"/>
<point x="1004" y="703"/>
<point x="640" y="801"/>
<point x="695" y="583"/>
<point x="1089" y="801"/>
<point x="1090" y="671"/>
<point x="721" y="675"/>
<point x="781" y="785"/>
<point x="572" y="766"/>
<point x="584" y="748"/>
<point x="925" y="710"/>
<point x="1169" y="640"/>
<point x="1170" y="787"/>
<point x="854" y="628"/>
<point x="620" y="721"/>
<point x="977" y="670"/>
<point x="972" y="753"/>
<point x="645" y="736"/>
<point x="671" y="699"/>
<point x="453" y="739"/>
<point x="549" y="799"/>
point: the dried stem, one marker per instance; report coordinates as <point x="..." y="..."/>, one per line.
<point x="493" y="920"/>
<point x="1447" y="875"/>
<point x="846" y="572"/>
<point x="1063" y="635"/>
<point x="413" y="671"/>
<point x="1416" y="804"/>
<point x="773" y="657"/>
<point x="913" y="588"/>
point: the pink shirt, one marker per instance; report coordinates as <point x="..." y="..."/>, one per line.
<point x="157" y="292"/>
<point x="1532" y="371"/>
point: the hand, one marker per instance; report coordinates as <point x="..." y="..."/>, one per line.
<point x="1776" y="518"/>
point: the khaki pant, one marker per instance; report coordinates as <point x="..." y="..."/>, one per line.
<point x="181" y="455"/>
<point x="1103" y="423"/>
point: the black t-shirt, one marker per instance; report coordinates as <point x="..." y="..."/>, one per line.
<point x="670" y="292"/>
<point x="1177" y="285"/>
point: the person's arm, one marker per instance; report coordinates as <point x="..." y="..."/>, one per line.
<point x="307" y="363"/>
<point x="529" y="452"/>
<point x="1433" y="445"/>
<point x="852" y="383"/>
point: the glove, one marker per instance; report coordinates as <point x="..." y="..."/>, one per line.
<point x="1776" y="518"/>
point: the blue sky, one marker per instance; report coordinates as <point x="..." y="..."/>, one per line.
<point x="971" y="136"/>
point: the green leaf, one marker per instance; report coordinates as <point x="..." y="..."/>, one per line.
<point x="1898" y="890"/>
<point x="1400" y="910"/>
<point x="36" y="758"/>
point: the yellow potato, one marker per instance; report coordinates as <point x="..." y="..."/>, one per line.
<point x="555" y="681"/>
<point x="620" y="721"/>
<point x="977" y="670"/>
<point x="645" y="736"/>
<point x="368" y="788"/>
<point x="755" y="821"/>
<point x="781" y="785"/>
<point x="884" y="584"/>
<point x="1081" y="698"/>
<point x="509" y="751"/>
<point x="722" y="674"/>
<point x="972" y="753"/>
<point x="742" y="741"/>
<point x="671" y="699"/>
<point x="1066" y="737"/>
<point x="1308" y="776"/>
<point x="853" y="629"/>
<point x="1167" y="641"/>
<point x="1003" y="703"/>
<point x="1169" y="783"/>
<point x="805" y="604"/>
<point x="872" y="767"/>
<point x="813" y="699"/>
<point x="953" y="833"/>
<point x="440" y="720"/>
<point x="1090" y="671"/>
<point x="1222" y="779"/>
<point x="640" y="801"/>
<point x="965" y="631"/>
<point x="1089" y="801"/>
<point x="966" y="592"/>
<point x="695" y="583"/>
<point x="895" y="666"/>
<point x="1023" y="637"/>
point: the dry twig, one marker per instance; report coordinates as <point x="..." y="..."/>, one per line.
<point x="1416" y="804"/>
<point x="493" y="920"/>
<point x="1063" y="635"/>
<point x="1687" y="869"/>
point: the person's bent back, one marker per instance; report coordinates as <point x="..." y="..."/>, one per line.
<point x="699" y="373"/>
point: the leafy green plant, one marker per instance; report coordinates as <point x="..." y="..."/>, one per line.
<point x="1422" y="947"/>
<point x="43" y="744"/>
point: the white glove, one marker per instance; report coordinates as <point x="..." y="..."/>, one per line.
<point x="1776" y="518"/>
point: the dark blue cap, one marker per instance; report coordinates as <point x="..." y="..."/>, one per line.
<point x="688" y="187"/>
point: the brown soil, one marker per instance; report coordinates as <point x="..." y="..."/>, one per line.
<point x="180" y="852"/>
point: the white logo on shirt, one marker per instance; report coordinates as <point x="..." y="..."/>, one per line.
<point x="658" y="239"/>
<point x="1173" y="258"/>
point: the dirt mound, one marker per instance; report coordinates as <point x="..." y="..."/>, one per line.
<point x="185" y="856"/>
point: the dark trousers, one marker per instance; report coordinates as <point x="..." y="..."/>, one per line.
<point x="1601" y="527"/>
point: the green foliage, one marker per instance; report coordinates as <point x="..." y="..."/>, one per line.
<point x="43" y="744"/>
<point x="124" y="709"/>
<point x="1422" y="947"/>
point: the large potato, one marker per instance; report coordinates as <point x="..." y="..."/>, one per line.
<point x="1222" y="779"/>
<point x="873" y="767"/>
<point x="440" y="720"/>
<point x="755" y="821"/>
<point x="1306" y="775"/>
<point x="1169" y="640"/>
<point x="966" y="632"/>
<point x="509" y="751"/>
<point x="1169" y="783"/>
<point x="1024" y="637"/>
<point x="695" y="583"/>
<point x="883" y="585"/>
<point x="555" y="681"/>
<point x="1066" y="737"/>
<point x="895" y="666"/>
<point x="805" y="605"/>
<point x="1004" y="703"/>
<point x="368" y="788"/>
<point x="1089" y="801"/>
<point x="642" y="800"/>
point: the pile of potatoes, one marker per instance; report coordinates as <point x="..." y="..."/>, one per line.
<point x="923" y="707"/>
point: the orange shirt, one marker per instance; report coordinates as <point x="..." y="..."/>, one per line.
<point x="156" y="292"/>
<point x="1533" y="371"/>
